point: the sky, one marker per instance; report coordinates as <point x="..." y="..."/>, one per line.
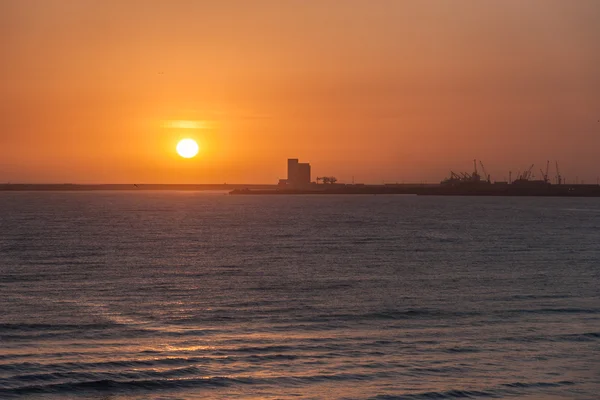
<point x="101" y="91"/>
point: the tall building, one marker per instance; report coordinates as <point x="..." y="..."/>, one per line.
<point x="303" y="174"/>
<point x="298" y="173"/>
<point x="292" y="170"/>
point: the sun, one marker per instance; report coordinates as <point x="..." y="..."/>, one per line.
<point x="187" y="148"/>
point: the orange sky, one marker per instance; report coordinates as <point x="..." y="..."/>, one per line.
<point x="382" y="90"/>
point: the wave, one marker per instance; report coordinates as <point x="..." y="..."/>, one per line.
<point x="450" y="394"/>
<point x="537" y="296"/>
<point x="38" y="327"/>
<point x="84" y="366"/>
<point x="190" y="377"/>
<point x="123" y="332"/>
<point x="538" y="384"/>
<point x="462" y="350"/>
<point x="425" y="313"/>
<point x="104" y="385"/>
<point x="26" y="368"/>
<point x="439" y="370"/>
<point x="271" y="357"/>
<point x="412" y="313"/>
<point x="119" y="385"/>
<point x="508" y="389"/>
<point x="564" y="310"/>
<point x="581" y="337"/>
<point x="297" y="348"/>
<point x="70" y="376"/>
<point x="572" y="337"/>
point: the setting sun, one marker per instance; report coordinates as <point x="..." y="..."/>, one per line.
<point x="187" y="148"/>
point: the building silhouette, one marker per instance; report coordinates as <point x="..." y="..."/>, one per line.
<point x="298" y="174"/>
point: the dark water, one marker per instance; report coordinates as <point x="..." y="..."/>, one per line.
<point x="174" y="295"/>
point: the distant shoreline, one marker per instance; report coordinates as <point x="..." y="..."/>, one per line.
<point x="258" y="189"/>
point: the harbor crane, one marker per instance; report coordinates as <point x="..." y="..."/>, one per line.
<point x="545" y="174"/>
<point x="558" y="176"/>
<point x="466" y="177"/>
<point x="527" y="174"/>
<point x="454" y="175"/>
<point x="487" y="176"/>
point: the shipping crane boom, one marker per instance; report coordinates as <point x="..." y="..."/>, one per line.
<point x="527" y="174"/>
<point x="487" y="176"/>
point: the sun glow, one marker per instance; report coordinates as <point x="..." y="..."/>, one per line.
<point x="187" y="148"/>
<point x="185" y="124"/>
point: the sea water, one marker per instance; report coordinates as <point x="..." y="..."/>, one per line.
<point x="191" y="295"/>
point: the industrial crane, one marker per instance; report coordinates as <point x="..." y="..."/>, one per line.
<point x="558" y="176"/>
<point x="487" y="176"/>
<point x="545" y="174"/>
<point x="527" y="174"/>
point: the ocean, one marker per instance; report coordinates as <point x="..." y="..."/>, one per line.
<point x="201" y="295"/>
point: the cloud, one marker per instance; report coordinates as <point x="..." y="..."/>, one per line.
<point x="186" y="124"/>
